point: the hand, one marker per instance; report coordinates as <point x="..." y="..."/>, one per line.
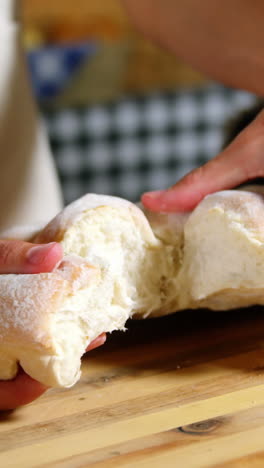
<point x="23" y="257"/>
<point x="240" y="162"/>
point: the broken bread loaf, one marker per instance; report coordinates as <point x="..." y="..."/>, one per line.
<point x="121" y="262"/>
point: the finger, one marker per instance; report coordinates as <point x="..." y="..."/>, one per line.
<point x="19" y="391"/>
<point x="99" y="341"/>
<point x="23" y="257"/>
<point x="241" y="161"/>
<point x="23" y="389"/>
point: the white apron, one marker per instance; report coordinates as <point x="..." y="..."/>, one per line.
<point x="29" y="188"/>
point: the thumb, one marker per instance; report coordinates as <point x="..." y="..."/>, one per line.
<point x="241" y="161"/>
<point x="19" y="391"/>
<point x="23" y="257"/>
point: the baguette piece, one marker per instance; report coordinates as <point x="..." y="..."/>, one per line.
<point x="122" y="262"/>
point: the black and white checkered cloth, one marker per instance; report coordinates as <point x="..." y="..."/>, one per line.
<point x="140" y="144"/>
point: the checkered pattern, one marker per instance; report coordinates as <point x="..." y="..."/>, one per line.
<point x="140" y="144"/>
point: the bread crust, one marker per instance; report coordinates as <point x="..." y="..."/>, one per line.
<point x="122" y="261"/>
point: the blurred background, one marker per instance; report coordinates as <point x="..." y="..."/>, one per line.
<point x="123" y="115"/>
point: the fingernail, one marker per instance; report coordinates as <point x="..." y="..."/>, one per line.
<point x="102" y="338"/>
<point x="36" y="255"/>
<point x="154" y="195"/>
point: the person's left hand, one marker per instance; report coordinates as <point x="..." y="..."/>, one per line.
<point x="241" y="161"/>
<point x="24" y="257"/>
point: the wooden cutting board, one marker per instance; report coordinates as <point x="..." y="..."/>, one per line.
<point x="182" y="391"/>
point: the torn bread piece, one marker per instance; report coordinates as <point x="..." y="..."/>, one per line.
<point x="33" y="329"/>
<point x="121" y="262"/>
<point x="48" y="320"/>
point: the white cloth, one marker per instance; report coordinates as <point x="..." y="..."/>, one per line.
<point x="29" y="188"/>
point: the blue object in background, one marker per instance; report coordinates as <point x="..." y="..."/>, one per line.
<point x="52" y="67"/>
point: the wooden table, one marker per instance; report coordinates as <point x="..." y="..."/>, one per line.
<point x="182" y="391"/>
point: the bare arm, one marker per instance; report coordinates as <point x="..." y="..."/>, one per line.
<point x="222" y="38"/>
<point x="225" y="40"/>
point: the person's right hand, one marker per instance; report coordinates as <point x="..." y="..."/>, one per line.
<point x="241" y="161"/>
<point x="24" y="257"/>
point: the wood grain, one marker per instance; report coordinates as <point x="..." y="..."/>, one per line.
<point x="185" y="390"/>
